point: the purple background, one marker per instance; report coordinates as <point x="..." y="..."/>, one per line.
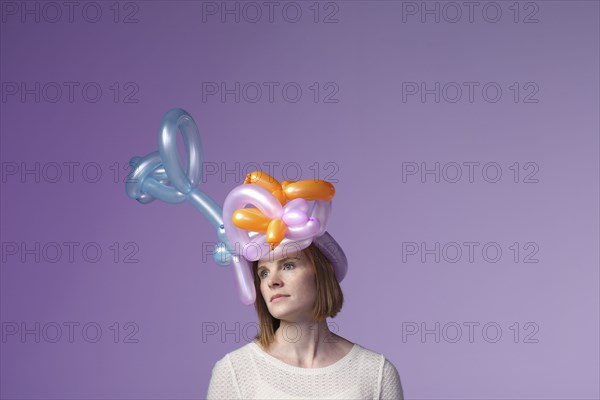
<point x="173" y="297"/>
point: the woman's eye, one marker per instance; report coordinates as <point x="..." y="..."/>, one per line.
<point x="262" y="273"/>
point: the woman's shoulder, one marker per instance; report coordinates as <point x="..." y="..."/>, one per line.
<point x="343" y="345"/>
<point x="374" y="357"/>
<point x="233" y="358"/>
<point x="239" y="352"/>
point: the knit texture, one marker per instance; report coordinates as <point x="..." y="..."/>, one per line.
<point x="251" y="373"/>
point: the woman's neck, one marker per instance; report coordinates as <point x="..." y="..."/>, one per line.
<point x="307" y="344"/>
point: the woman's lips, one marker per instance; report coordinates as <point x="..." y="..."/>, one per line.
<point x="278" y="298"/>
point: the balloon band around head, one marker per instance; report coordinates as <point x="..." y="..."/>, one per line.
<point x="260" y="219"/>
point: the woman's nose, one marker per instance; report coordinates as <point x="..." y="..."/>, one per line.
<point x="274" y="280"/>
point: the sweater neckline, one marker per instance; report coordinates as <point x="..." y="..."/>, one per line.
<point x="309" y="371"/>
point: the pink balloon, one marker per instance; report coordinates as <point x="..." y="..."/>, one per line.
<point x="321" y="210"/>
<point x="308" y="230"/>
<point x="294" y="212"/>
<point x="296" y="204"/>
<point x="294" y="217"/>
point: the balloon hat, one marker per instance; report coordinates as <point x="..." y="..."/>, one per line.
<point x="282" y="217"/>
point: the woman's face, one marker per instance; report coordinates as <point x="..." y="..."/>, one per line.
<point x="293" y="277"/>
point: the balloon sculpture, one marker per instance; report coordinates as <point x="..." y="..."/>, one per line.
<point x="283" y="216"/>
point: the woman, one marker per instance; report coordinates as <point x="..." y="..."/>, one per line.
<point x="295" y="355"/>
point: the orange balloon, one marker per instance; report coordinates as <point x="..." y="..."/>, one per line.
<point x="279" y="195"/>
<point x="268" y="182"/>
<point x="275" y="232"/>
<point x="251" y="219"/>
<point x="308" y="189"/>
<point x="264" y="180"/>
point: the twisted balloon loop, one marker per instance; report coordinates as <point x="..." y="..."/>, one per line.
<point x="159" y="175"/>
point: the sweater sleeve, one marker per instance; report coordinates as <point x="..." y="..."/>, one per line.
<point x="223" y="384"/>
<point x="391" y="388"/>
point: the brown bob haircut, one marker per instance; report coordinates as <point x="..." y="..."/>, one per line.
<point x="329" y="295"/>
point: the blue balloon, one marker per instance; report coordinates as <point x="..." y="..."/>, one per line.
<point x="159" y="175"/>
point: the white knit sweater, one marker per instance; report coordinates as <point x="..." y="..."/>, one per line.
<point x="251" y="373"/>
